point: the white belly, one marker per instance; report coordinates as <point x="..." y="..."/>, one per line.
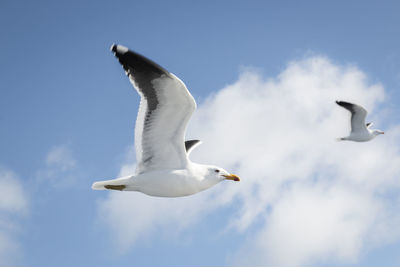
<point x="361" y="137"/>
<point x="173" y="183"/>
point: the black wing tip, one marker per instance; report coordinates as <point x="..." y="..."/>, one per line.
<point x="344" y="103"/>
<point x="113" y="48"/>
<point x="118" y="49"/>
<point x="341" y="101"/>
<point x="131" y="59"/>
<point x="189" y="144"/>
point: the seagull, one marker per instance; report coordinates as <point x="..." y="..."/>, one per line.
<point x="163" y="165"/>
<point x="360" y="131"/>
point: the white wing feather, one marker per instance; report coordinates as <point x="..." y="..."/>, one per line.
<point x="165" y="109"/>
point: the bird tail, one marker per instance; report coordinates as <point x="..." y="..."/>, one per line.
<point x="114" y="184"/>
<point x="341" y="139"/>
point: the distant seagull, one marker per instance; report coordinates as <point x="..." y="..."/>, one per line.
<point x="163" y="166"/>
<point x="360" y="132"/>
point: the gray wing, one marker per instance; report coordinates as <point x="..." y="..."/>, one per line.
<point x="165" y="109"/>
<point x="358" y="114"/>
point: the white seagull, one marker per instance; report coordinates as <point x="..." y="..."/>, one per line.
<point x="163" y="166"/>
<point x="360" y="132"/>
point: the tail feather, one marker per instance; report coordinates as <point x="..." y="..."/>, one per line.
<point x="341" y="139"/>
<point x="114" y="184"/>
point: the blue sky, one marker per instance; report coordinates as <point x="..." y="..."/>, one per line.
<point x="67" y="114"/>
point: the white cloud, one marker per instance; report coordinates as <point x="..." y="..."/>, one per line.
<point x="59" y="164"/>
<point x="314" y="222"/>
<point x="316" y="199"/>
<point x="13" y="205"/>
<point x="133" y="216"/>
<point x="12" y="197"/>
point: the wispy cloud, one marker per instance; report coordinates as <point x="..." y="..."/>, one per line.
<point x="58" y="167"/>
<point x="13" y="206"/>
<point x="316" y="199"/>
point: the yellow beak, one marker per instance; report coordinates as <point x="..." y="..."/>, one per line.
<point x="232" y="177"/>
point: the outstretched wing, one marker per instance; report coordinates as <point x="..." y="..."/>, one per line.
<point x="358" y="114"/>
<point x="165" y="109"/>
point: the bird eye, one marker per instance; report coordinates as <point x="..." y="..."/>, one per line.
<point x="217" y="170"/>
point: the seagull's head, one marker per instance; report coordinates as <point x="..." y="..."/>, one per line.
<point x="377" y="132"/>
<point x="218" y="174"/>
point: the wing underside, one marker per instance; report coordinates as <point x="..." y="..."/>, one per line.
<point x="165" y="109"/>
<point x="358" y="115"/>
